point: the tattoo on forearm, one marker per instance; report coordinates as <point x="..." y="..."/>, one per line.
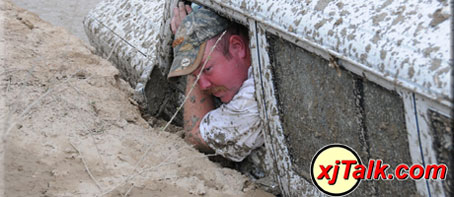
<point x="194" y="120"/>
<point x="190" y="124"/>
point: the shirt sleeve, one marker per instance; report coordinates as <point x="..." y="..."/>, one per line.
<point x="234" y="129"/>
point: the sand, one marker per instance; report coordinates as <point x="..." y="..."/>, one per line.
<point x="71" y="128"/>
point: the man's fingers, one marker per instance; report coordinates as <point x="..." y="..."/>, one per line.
<point x="173" y="26"/>
<point x="188" y="9"/>
<point x="182" y="10"/>
<point x="175" y="19"/>
<point x="179" y="12"/>
<point x="176" y="14"/>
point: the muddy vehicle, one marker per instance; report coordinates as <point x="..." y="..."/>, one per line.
<point x="372" y="75"/>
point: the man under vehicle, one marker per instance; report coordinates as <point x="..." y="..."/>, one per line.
<point x="218" y="50"/>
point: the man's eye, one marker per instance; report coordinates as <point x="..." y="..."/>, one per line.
<point x="207" y="69"/>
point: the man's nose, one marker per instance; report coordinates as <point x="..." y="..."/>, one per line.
<point x="204" y="83"/>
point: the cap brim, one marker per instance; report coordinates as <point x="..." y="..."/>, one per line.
<point x="177" y="70"/>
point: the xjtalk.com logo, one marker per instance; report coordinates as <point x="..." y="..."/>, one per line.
<point x="337" y="170"/>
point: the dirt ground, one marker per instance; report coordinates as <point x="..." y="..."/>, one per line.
<point x="71" y="128"/>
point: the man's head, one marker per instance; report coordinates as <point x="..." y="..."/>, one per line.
<point x="226" y="67"/>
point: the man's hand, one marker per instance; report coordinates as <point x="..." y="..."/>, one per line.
<point x="179" y="12"/>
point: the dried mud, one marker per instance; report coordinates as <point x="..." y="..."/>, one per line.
<point x="71" y="127"/>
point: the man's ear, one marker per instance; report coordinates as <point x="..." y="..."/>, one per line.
<point x="237" y="47"/>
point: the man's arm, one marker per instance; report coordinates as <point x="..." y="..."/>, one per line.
<point x="199" y="103"/>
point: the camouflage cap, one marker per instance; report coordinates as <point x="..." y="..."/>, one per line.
<point x="190" y="39"/>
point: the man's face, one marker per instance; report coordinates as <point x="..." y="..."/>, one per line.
<point x="221" y="77"/>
